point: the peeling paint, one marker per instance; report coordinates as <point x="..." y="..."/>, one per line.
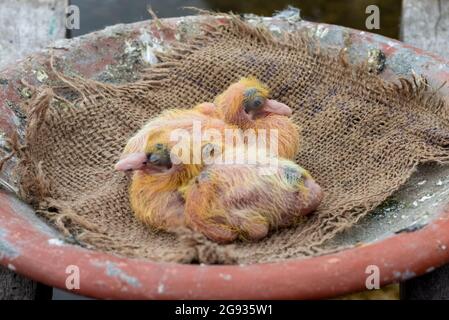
<point x="411" y="208"/>
<point x="430" y="269"/>
<point x="25" y="92"/>
<point x="291" y="15"/>
<point x="276" y="30"/>
<point x="333" y="260"/>
<point x="3" y="143"/>
<point x="41" y="75"/>
<point x="402" y="276"/>
<point x="7" y="250"/>
<point x="408" y="275"/>
<point x="376" y="61"/>
<point x="321" y="31"/>
<point x="401" y="63"/>
<point x="113" y="270"/>
<point x="426" y="197"/>
<point x="148" y="55"/>
<point x="55" y="242"/>
<point x="150" y="46"/>
<point x="185" y="29"/>
<point x="225" y="276"/>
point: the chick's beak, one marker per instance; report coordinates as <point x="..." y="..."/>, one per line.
<point x="276" y="107"/>
<point x="132" y="161"/>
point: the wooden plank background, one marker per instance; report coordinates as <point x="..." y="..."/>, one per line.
<point x="27" y="26"/>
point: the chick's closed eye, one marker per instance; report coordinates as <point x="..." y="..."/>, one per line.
<point x="253" y="99"/>
<point x="159" y="155"/>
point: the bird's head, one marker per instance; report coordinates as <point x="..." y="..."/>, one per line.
<point x="247" y="100"/>
<point x="173" y="162"/>
<point x="154" y="159"/>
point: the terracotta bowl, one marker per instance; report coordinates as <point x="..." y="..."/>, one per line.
<point x="405" y="238"/>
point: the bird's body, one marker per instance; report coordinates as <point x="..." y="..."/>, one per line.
<point x="162" y="194"/>
<point x="286" y="131"/>
<point x="246" y="201"/>
<point x="154" y="192"/>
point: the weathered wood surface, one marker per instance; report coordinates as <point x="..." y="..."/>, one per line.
<point x="15" y="287"/>
<point x="28" y="26"/>
<point x="431" y="286"/>
<point x="425" y="24"/>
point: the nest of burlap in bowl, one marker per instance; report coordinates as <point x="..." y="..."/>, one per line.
<point x="361" y="139"/>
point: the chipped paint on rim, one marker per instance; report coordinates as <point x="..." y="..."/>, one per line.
<point x="113" y="270"/>
<point x="7" y="249"/>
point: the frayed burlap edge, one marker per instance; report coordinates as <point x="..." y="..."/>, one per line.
<point x="34" y="189"/>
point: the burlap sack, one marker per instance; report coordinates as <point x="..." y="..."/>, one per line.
<point x="361" y="139"/>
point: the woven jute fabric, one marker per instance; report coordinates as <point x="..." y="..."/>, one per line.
<point x="362" y="138"/>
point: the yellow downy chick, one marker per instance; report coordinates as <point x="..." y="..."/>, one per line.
<point x="246" y="104"/>
<point x="246" y="201"/>
<point x="159" y="187"/>
<point x="154" y="195"/>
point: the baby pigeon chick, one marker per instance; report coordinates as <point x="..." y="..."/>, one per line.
<point x="154" y="192"/>
<point x="158" y="185"/>
<point x="246" y="104"/>
<point x="230" y="201"/>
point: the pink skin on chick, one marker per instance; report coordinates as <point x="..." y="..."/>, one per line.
<point x="241" y="201"/>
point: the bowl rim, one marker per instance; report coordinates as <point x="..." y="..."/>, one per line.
<point x="39" y="255"/>
<point x="29" y="249"/>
